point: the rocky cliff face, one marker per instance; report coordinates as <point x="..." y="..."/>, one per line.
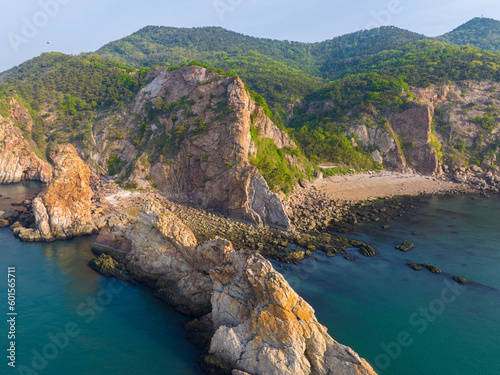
<point x="466" y="118"/>
<point x="261" y="325"/>
<point x="264" y="327"/>
<point x="63" y="209"/>
<point x="17" y="161"/>
<point x="388" y="151"/>
<point x="413" y="127"/>
<point x="196" y="138"/>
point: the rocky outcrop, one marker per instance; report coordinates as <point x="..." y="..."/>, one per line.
<point x="20" y="115"/>
<point x="413" y="127"/>
<point x="264" y="327"/>
<point x="206" y="120"/>
<point x="260" y="325"/>
<point x="17" y="161"/>
<point x="63" y="209"/>
<point x="388" y="152"/>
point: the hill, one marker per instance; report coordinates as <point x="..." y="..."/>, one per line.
<point x="483" y="33"/>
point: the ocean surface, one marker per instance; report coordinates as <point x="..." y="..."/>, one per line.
<point x="407" y="322"/>
<point x="73" y="321"/>
<point x="70" y="320"/>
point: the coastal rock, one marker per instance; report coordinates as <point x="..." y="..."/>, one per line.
<point x="264" y="327"/>
<point x="211" y="166"/>
<point x="17" y="161"/>
<point x="63" y="209"/>
<point x="387" y="152"/>
<point x="414" y="128"/>
<point x="165" y="248"/>
<point x="261" y="325"/>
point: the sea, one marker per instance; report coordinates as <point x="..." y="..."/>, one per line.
<point x="70" y="320"/>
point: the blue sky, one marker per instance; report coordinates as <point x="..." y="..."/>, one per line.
<point x="75" y="26"/>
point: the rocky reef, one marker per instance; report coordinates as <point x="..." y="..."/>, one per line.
<point x="17" y="161"/>
<point x="63" y="209"/>
<point x="257" y="323"/>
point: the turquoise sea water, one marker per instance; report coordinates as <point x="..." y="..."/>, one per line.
<point x="81" y="323"/>
<point x="103" y="327"/>
<point x="16" y="193"/>
<point x="408" y="322"/>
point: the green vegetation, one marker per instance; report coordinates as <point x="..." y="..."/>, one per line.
<point x="115" y="164"/>
<point x="273" y="165"/>
<point x="71" y="88"/>
<point x="482" y="33"/>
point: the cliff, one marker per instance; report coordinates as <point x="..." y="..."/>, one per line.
<point x="189" y="133"/>
<point x="264" y="327"/>
<point x="17" y="161"/>
<point x="63" y="209"/>
<point x="259" y="324"/>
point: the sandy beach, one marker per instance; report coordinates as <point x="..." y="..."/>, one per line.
<point x="386" y="184"/>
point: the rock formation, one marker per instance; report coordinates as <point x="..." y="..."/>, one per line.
<point x="205" y="120"/>
<point x="414" y="129"/>
<point x="264" y="327"/>
<point x="17" y="161"/>
<point x="388" y="151"/>
<point x="261" y="325"/>
<point x="63" y="209"/>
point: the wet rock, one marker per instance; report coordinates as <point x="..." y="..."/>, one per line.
<point x="405" y="246"/>
<point x="460" y="280"/>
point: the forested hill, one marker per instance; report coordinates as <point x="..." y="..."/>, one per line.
<point x="483" y="33"/>
<point x="171" y="46"/>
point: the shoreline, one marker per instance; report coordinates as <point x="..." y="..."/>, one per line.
<point x="369" y="186"/>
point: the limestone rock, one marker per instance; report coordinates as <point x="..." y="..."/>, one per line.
<point x="17" y="161"/>
<point x="63" y="209"/>
<point x="264" y="327"/>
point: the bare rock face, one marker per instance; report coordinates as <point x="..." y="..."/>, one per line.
<point x="261" y="325"/>
<point x="264" y="327"/>
<point x="165" y="248"/>
<point x="388" y="152"/>
<point x="63" y="209"/>
<point x="213" y="141"/>
<point x="414" y="128"/>
<point x="17" y="161"/>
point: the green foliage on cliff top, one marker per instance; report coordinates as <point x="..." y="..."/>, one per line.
<point x="69" y="90"/>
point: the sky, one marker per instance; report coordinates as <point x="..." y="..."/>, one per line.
<point x="75" y="26"/>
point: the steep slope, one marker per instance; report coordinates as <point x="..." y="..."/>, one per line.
<point x="195" y="139"/>
<point x="483" y="33"/>
<point x="63" y="209"/>
<point x="17" y="161"/>
<point x="191" y="131"/>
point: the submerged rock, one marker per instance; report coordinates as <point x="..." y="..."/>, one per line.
<point x="405" y="246"/>
<point x="107" y="266"/>
<point x="460" y="280"/>
<point x="432" y="269"/>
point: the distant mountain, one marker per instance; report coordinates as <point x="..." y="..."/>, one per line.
<point x="169" y="46"/>
<point x="483" y="33"/>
